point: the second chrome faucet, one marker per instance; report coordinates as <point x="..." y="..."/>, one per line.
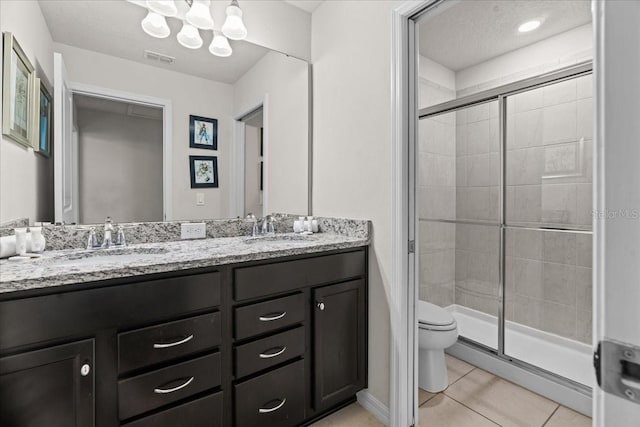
<point x="107" y="240"/>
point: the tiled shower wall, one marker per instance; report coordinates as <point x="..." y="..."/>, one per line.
<point x="549" y="184"/>
<point x="548" y="274"/>
<point x="436" y="197"/>
<point x="478" y="199"/>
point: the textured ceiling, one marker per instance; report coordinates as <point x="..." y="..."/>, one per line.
<point x="463" y="33"/>
<point x="113" y="28"/>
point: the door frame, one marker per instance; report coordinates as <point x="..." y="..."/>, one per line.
<point x="403" y="369"/>
<point x="616" y="226"/>
<point x="403" y="390"/>
<point x="167" y="131"/>
<point x="237" y="195"/>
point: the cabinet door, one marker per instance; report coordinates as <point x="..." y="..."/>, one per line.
<point x="50" y="387"/>
<point x="340" y="328"/>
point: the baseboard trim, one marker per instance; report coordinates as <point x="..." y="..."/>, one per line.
<point x="374" y="406"/>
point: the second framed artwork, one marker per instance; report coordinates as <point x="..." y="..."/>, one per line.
<point x="45" y="125"/>
<point x="203" y="132"/>
<point x="204" y="171"/>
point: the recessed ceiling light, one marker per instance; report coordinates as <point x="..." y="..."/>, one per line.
<point x="529" y="26"/>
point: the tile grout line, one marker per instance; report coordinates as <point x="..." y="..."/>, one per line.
<point x="551" y="416"/>
<point x="473" y="410"/>
<point x="443" y="391"/>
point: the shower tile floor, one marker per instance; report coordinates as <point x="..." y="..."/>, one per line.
<point x="474" y="398"/>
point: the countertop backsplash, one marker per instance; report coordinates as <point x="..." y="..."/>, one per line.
<point x="61" y="237"/>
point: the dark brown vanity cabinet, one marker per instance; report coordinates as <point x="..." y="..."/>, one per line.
<point x="278" y="342"/>
<point x="49" y="387"/>
<point x="339" y="342"/>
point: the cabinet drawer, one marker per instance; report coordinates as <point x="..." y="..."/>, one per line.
<point x="274" y="399"/>
<point x="268" y="316"/>
<point x="147" y="346"/>
<point x="258" y="355"/>
<point x="51" y="317"/>
<point x="149" y="391"/>
<point x="203" y="412"/>
<point x="267" y="279"/>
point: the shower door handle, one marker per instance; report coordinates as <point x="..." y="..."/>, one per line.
<point x="617" y="368"/>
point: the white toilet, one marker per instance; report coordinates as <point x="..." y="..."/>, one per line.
<point x="437" y="330"/>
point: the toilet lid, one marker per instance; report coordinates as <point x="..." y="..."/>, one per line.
<point x="431" y="314"/>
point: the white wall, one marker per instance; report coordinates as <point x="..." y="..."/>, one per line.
<point x="436" y="83"/>
<point x="284" y="81"/>
<point x="25" y="176"/>
<point x="555" y="52"/>
<point x="352" y="145"/>
<point x="274" y="24"/>
<point x="118" y="168"/>
<point x="189" y="95"/>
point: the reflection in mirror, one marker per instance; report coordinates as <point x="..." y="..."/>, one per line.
<point x="253" y="162"/>
<point x="122" y="107"/>
<point x="119" y="149"/>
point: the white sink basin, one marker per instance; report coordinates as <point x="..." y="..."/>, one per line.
<point x="103" y="256"/>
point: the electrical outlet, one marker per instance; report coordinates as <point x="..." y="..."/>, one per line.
<point x="193" y="230"/>
<point x="199" y="199"/>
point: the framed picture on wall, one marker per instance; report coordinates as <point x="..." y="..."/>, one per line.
<point x="18" y="85"/>
<point x="203" y="133"/>
<point x="45" y="136"/>
<point x="204" y="171"/>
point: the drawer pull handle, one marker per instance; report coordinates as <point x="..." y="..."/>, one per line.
<point x="173" y="344"/>
<point x="171" y="390"/>
<point x="275" y="408"/>
<point x="276" y="354"/>
<point x="271" y="318"/>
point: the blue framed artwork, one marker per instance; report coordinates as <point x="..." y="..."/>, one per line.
<point x="204" y="171"/>
<point x="203" y="133"/>
<point x="45" y="136"/>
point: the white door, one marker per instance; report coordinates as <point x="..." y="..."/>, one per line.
<point x="617" y="212"/>
<point x="65" y="148"/>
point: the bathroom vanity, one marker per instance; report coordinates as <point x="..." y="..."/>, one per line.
<point x="277" y="340"/>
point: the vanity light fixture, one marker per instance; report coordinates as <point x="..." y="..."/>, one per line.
<point x="198" y="17"/>
<point x="163" y="7"/>
<point x="155" y="25"/>
<point x="189" y="36"/>
<point x="529" y="26"/>
<point x="233" y="27"/>
<point x="220" y="45"/>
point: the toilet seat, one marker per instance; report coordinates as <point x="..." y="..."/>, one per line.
<point x="428" y="327"/>
<point x="434" y="318"/>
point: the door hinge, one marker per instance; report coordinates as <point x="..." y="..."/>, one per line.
<point x="617" y="367"/>
<point x="412" y="246"/>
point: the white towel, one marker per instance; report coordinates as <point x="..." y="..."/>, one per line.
<point x="8" y="245"/>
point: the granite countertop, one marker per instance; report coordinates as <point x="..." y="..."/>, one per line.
<point x="72" y="266"/>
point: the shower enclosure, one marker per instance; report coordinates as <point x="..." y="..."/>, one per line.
<point x="504" y="204"/>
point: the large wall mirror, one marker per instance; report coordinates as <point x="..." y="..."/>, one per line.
<point x="149" y="130"/>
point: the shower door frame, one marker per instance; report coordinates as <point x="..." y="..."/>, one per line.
<point x="500" y="95"/>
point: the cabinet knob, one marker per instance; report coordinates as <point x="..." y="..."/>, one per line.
<point x="85" y="369"/>
<point x="320" y="305"/>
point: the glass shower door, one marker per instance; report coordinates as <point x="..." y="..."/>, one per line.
<point x="458" y="196"/>
<point x="547" y="196"/>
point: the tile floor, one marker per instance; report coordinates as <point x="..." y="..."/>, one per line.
<point x="474" y="398"/>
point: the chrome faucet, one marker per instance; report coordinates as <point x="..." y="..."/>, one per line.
<point x="107" y="240"/>
<point x="267" y="225"/>
<point x="265" y="229"/>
